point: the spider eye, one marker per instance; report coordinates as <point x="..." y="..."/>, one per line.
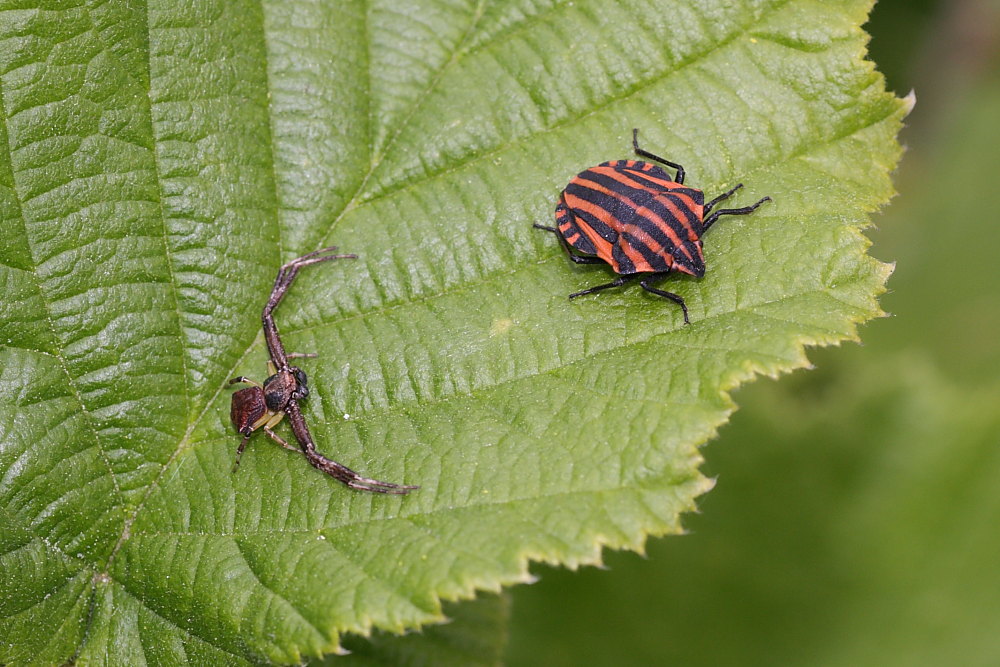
<point x="300" y="377"/>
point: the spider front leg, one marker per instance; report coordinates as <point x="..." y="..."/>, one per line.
<point x="338" y="471"/>
<point x="286" y="275"/>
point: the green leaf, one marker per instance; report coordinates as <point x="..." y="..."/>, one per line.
<point x="161" y="160"/>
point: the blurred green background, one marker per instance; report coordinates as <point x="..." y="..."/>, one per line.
<point x="856" y="517"/>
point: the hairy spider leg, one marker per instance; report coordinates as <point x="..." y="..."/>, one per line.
<point x="336" y="470"/>
<point x="286" y="275"/>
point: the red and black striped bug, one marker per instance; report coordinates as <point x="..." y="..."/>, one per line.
<point x="633" y="216"/>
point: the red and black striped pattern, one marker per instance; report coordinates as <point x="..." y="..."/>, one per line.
<point x="638" y="219"/>
<point x="635" y="217"/>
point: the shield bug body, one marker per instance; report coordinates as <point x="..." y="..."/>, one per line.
<point x="635" y="217"/>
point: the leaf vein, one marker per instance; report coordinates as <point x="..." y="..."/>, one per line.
<point x="275" y="594"/>
<point x="627" y="93"/>
<point x="57" y="343"/>
<point x="417" y="103"/>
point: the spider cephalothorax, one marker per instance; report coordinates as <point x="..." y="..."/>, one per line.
<point x="284" y="385"/>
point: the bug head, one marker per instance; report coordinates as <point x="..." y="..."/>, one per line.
<point x="689" y="259"/>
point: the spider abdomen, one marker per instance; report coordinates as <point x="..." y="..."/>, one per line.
<point x="248" y="406"/>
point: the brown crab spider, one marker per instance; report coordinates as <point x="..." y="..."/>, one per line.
<point x="263" y="406"/>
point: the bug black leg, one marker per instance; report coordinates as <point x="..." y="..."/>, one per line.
<point x="724" y="195"/>
<point x="732" y="211"/>
<point x="676" y="298"/>
<point x="679" y="178"/>
<point x="245" y="380"/>
<point x="578" y="259"/>
<point x="617" y="282"/>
